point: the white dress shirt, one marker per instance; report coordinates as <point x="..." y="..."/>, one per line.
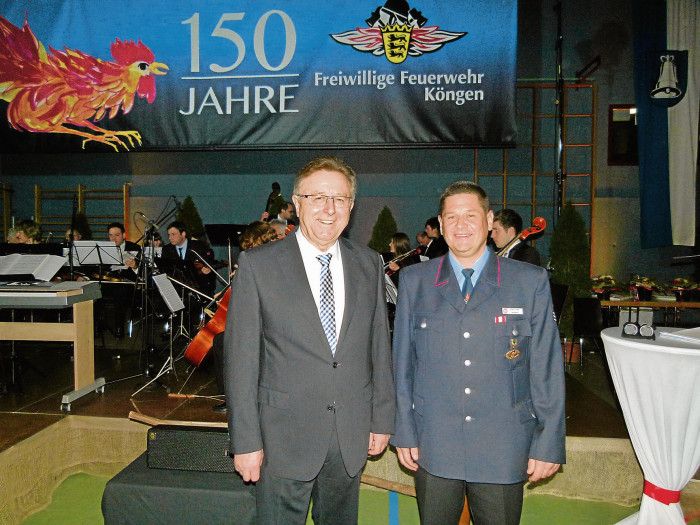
<point x="313" y="274"/>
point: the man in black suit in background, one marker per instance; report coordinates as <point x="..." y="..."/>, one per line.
<point x="119" y="294"/>
<point x="507" y="224"/>
<point x="183" y="248"/>
<point x="437" y="246"/>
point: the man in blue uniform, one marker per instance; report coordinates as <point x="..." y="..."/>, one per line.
<point x="478" y="371"/>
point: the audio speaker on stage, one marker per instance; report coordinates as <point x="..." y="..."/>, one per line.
<point x="189" y="448"/>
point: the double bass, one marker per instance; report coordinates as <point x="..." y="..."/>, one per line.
<point x="538" y="225"/>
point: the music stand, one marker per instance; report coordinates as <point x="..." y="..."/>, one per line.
<point x="8" y="248"/>
<point x="169" y="295"/>
<point x="222" y="234"/>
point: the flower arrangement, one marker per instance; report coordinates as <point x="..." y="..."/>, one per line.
<point x="643" y="282"/>
<point x="602" y="283"/>
<point x="679" y="283"/>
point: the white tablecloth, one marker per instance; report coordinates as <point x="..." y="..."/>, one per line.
<point x="658" y="385"/>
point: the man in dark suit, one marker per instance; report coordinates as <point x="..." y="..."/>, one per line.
<point x="478" y="371"/>
<point x="183" y="248"/>
<point x="507" y="225"/>
<point x="308" y="361"/>
<point x="437" y="246"/>
<point x="119" y="294"/>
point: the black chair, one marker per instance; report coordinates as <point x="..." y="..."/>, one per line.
<point x="588" y="323"/>
<point x="559" y="293"/>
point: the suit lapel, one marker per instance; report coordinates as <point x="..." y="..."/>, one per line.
<point x="291" y="263"/>
<point x="351" y="276"/>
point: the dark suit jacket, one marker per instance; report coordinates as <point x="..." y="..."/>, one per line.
<point x="436" y="248"/>
<point x="526" y="253"/>
<point x="280" y="374"/>
<point x="206" y="283"/>
<point x="473" y="413"/>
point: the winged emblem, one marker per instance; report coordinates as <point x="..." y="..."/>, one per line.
<point x="397" y="32"/>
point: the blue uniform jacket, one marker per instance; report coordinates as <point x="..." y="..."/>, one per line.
<point x="480" y="385"/>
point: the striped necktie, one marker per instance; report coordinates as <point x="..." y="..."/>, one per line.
<point x="327" y="311"/>
<point x="467" y="287"/>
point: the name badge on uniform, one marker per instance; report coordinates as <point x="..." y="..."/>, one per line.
<point x="512" y="311"/>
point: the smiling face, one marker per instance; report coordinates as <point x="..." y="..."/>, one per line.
<point x="323" y="224"/>
<point x="465" y="226"/>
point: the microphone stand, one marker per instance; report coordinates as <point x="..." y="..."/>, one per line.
<point x="71" y="241"/>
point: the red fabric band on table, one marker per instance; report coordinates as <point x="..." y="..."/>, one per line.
<point x="661" y="495"/>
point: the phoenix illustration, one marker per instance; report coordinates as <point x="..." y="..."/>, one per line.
<point x="397" y="31"/>
<point x="68" y="91"/>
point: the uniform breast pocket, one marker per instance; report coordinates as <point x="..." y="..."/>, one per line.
<point x="427" y="334"/>
<point x="512" y="343"/>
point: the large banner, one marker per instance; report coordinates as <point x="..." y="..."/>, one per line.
<point x="124" y="74"/>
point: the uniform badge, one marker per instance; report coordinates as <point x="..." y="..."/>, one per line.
<point x="513" y="352"/>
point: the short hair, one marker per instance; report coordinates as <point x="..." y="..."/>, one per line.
<point x="421" y="234"/>
<point x="286" y="205"/>
<point x="468" y="187"/>
<point x="257" y="233"/>
<point x="328" y="164"/>
<point x="509" y="219"/>
<point x="178" y="225"/>
<point x="433" y="222"/>
<point x="30" y="228"/>
<point x="11" y="234"/>
<point x="116" y="225"/>
<point x="276" y="186"/>
<point x="402" y="244"/>
<point x="277" y="222"/>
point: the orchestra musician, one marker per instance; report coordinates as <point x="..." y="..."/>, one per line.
<point x="116" y="285"/>
<point x="507" y="225"/>
<point x="402" y="255"/>
<point x="27" y="232"/>
<point x="183" y="248"/>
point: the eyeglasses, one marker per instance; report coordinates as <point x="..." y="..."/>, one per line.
<point x="342" y="201"/>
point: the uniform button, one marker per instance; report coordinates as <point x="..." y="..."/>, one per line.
<point x="335" y="365"/>
<point x="468" y="418"/>
<point x="423" y="324"/>
<point x="466" y="335"/>
<point x="467" y="363"/>
<point x="330" y="408"/>
<point x="515" y="331"/>
<point x="467" y="391"/>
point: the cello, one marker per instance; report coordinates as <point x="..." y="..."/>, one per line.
<point x="538" y="225"/>
<point x="202" y="342"/>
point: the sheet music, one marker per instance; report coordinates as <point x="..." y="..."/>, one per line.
<point x="168" y="292"/>
<point x="157" y="251"/>
<point x="42" y="267"/>
<point x="96" y="253"/>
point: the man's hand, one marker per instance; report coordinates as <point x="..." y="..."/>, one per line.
<point x="248" y="465"/>
<point x="377" y="443"/>
<point x="408" y="457"/>
<point x="539" y="470"/>
<point x="131" y="263"/>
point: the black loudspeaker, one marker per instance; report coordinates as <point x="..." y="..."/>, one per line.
<point x="182" y="448"/>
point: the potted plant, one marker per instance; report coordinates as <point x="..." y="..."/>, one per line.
<point x="642" y="287"/>
<point x="570" y="258"/>
<point x="682" y="288"/>
<point x="602" y="286"/>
